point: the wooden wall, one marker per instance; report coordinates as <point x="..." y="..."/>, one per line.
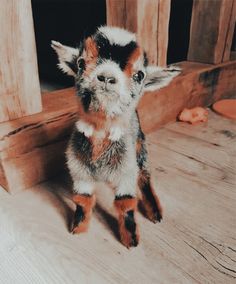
<point x="212" y="29"/>
<point x="19" y="83"/>
<point x="149" y="19"/>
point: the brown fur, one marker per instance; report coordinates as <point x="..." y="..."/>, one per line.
<point x="138" y="146"/>
<point x="132" y="59"/>
<point x="87" y="203"/>
<point x="90" y="55"/>
<point x="99" y="146"/>
<point x="142" y="179"/>
<point x="96" y="119"/>
<point x="126" y="204"/>
<point x="125" y="235"/>
<point x="123" y="206"/>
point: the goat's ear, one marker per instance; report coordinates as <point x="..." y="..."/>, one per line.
<point x="67" y="57"/>
<point x="159" y="77"/>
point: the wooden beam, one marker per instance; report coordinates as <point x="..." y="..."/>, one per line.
<point x="211" y="31"/>
<point x="32" y="148"/>
<point x="149" y="19"/>
<point x="19" y="82"/>
<point x="198" y="85"/>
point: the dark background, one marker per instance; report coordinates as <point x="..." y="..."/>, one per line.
<point x="69" y="21"/>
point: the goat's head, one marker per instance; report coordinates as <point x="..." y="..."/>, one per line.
<point x="111" y="70"/>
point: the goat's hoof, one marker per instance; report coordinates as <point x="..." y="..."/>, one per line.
<point x="154" y="215"/>
<point x="129" y="240"/>
<point x="80" y="228"/>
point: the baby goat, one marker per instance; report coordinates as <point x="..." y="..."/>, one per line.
<point x="107" y="144"/>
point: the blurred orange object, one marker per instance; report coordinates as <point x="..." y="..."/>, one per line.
<point x="226" y="108"/>
<point x="194" y="115"/>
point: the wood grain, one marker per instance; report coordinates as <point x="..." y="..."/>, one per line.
<point x="195" y="243"/>
<point x="163" y="31"/>
<point x="211" y="31"/>
<point x="19" y="83"/>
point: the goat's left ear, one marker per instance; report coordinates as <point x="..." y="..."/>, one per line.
<point x="159" y="77"/>
<point x="67" y="57"/>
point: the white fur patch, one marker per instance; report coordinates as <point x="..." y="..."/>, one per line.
<point x="117" y="35"/>
<point x="116" y="132"/>
<point x="84" y="187"/>
<point x="85" y="128"/>
<point x="65" y="54"/>
<point x="159" y="77"/>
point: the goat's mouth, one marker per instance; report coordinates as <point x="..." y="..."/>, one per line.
<point x="105" y="93"/>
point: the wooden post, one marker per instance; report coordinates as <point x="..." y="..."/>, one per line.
<point x="19" y="82"/>
<point x="211" y="30"/>
<point x="149" y="19"/>
<point x="230" y="34"/>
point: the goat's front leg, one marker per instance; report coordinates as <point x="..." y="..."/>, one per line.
<point x="85" y="201"/>
<point x="126" y="206"/>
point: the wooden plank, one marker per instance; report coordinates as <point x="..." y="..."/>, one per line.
<point x="195" y="242"/>
<point x="197" y="85"/>
<point x="19" y="82"/>
<point x="221" y="131"/>
<point x="147" y="30"/>
<point x="32" y="148"/>
<point x="115" y="12"/>
<point x="31" y="140"/>
<point x="230" y="32"/>
<point x="210" y="31"/>
<point x="152" y="34"/>
<point x="163" y="31"/>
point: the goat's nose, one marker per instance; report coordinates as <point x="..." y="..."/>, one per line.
<point x="104" y="79"/>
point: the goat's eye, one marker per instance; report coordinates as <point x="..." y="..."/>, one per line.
<point x="81" y="63"/>
<point x="138" y="77"/>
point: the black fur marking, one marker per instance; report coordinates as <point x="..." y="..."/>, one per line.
<point x="86" y="97"/>
<point x="130" y="225"/>
<point x="146" y="190"/>
<point x="145" y="59"/>
<point x="141" y="156"/>
<point x="81" y="145"/>
<point x="79" y="216"/>
<point x="73" y="64"/>
<point x="126" y="196"/>
<point x="81" y="66"/>
<point x="115" y="52"/>
<point x="154" y="81"/>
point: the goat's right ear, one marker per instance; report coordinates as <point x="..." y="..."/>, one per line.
<point x="67" y="57"/>
<point x="159" y="77"/>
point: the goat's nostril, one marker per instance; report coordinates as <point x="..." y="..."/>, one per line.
<point x="101" y="78"/>
<point x="111" y="80"/>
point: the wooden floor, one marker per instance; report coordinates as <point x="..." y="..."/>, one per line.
<point x="194" y="172"/>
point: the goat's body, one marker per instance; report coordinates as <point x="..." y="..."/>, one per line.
<point x="107" y="144"/>
<point x="100" y="159"/>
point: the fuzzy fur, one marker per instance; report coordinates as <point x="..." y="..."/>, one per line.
<point x="107" y="143"/>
